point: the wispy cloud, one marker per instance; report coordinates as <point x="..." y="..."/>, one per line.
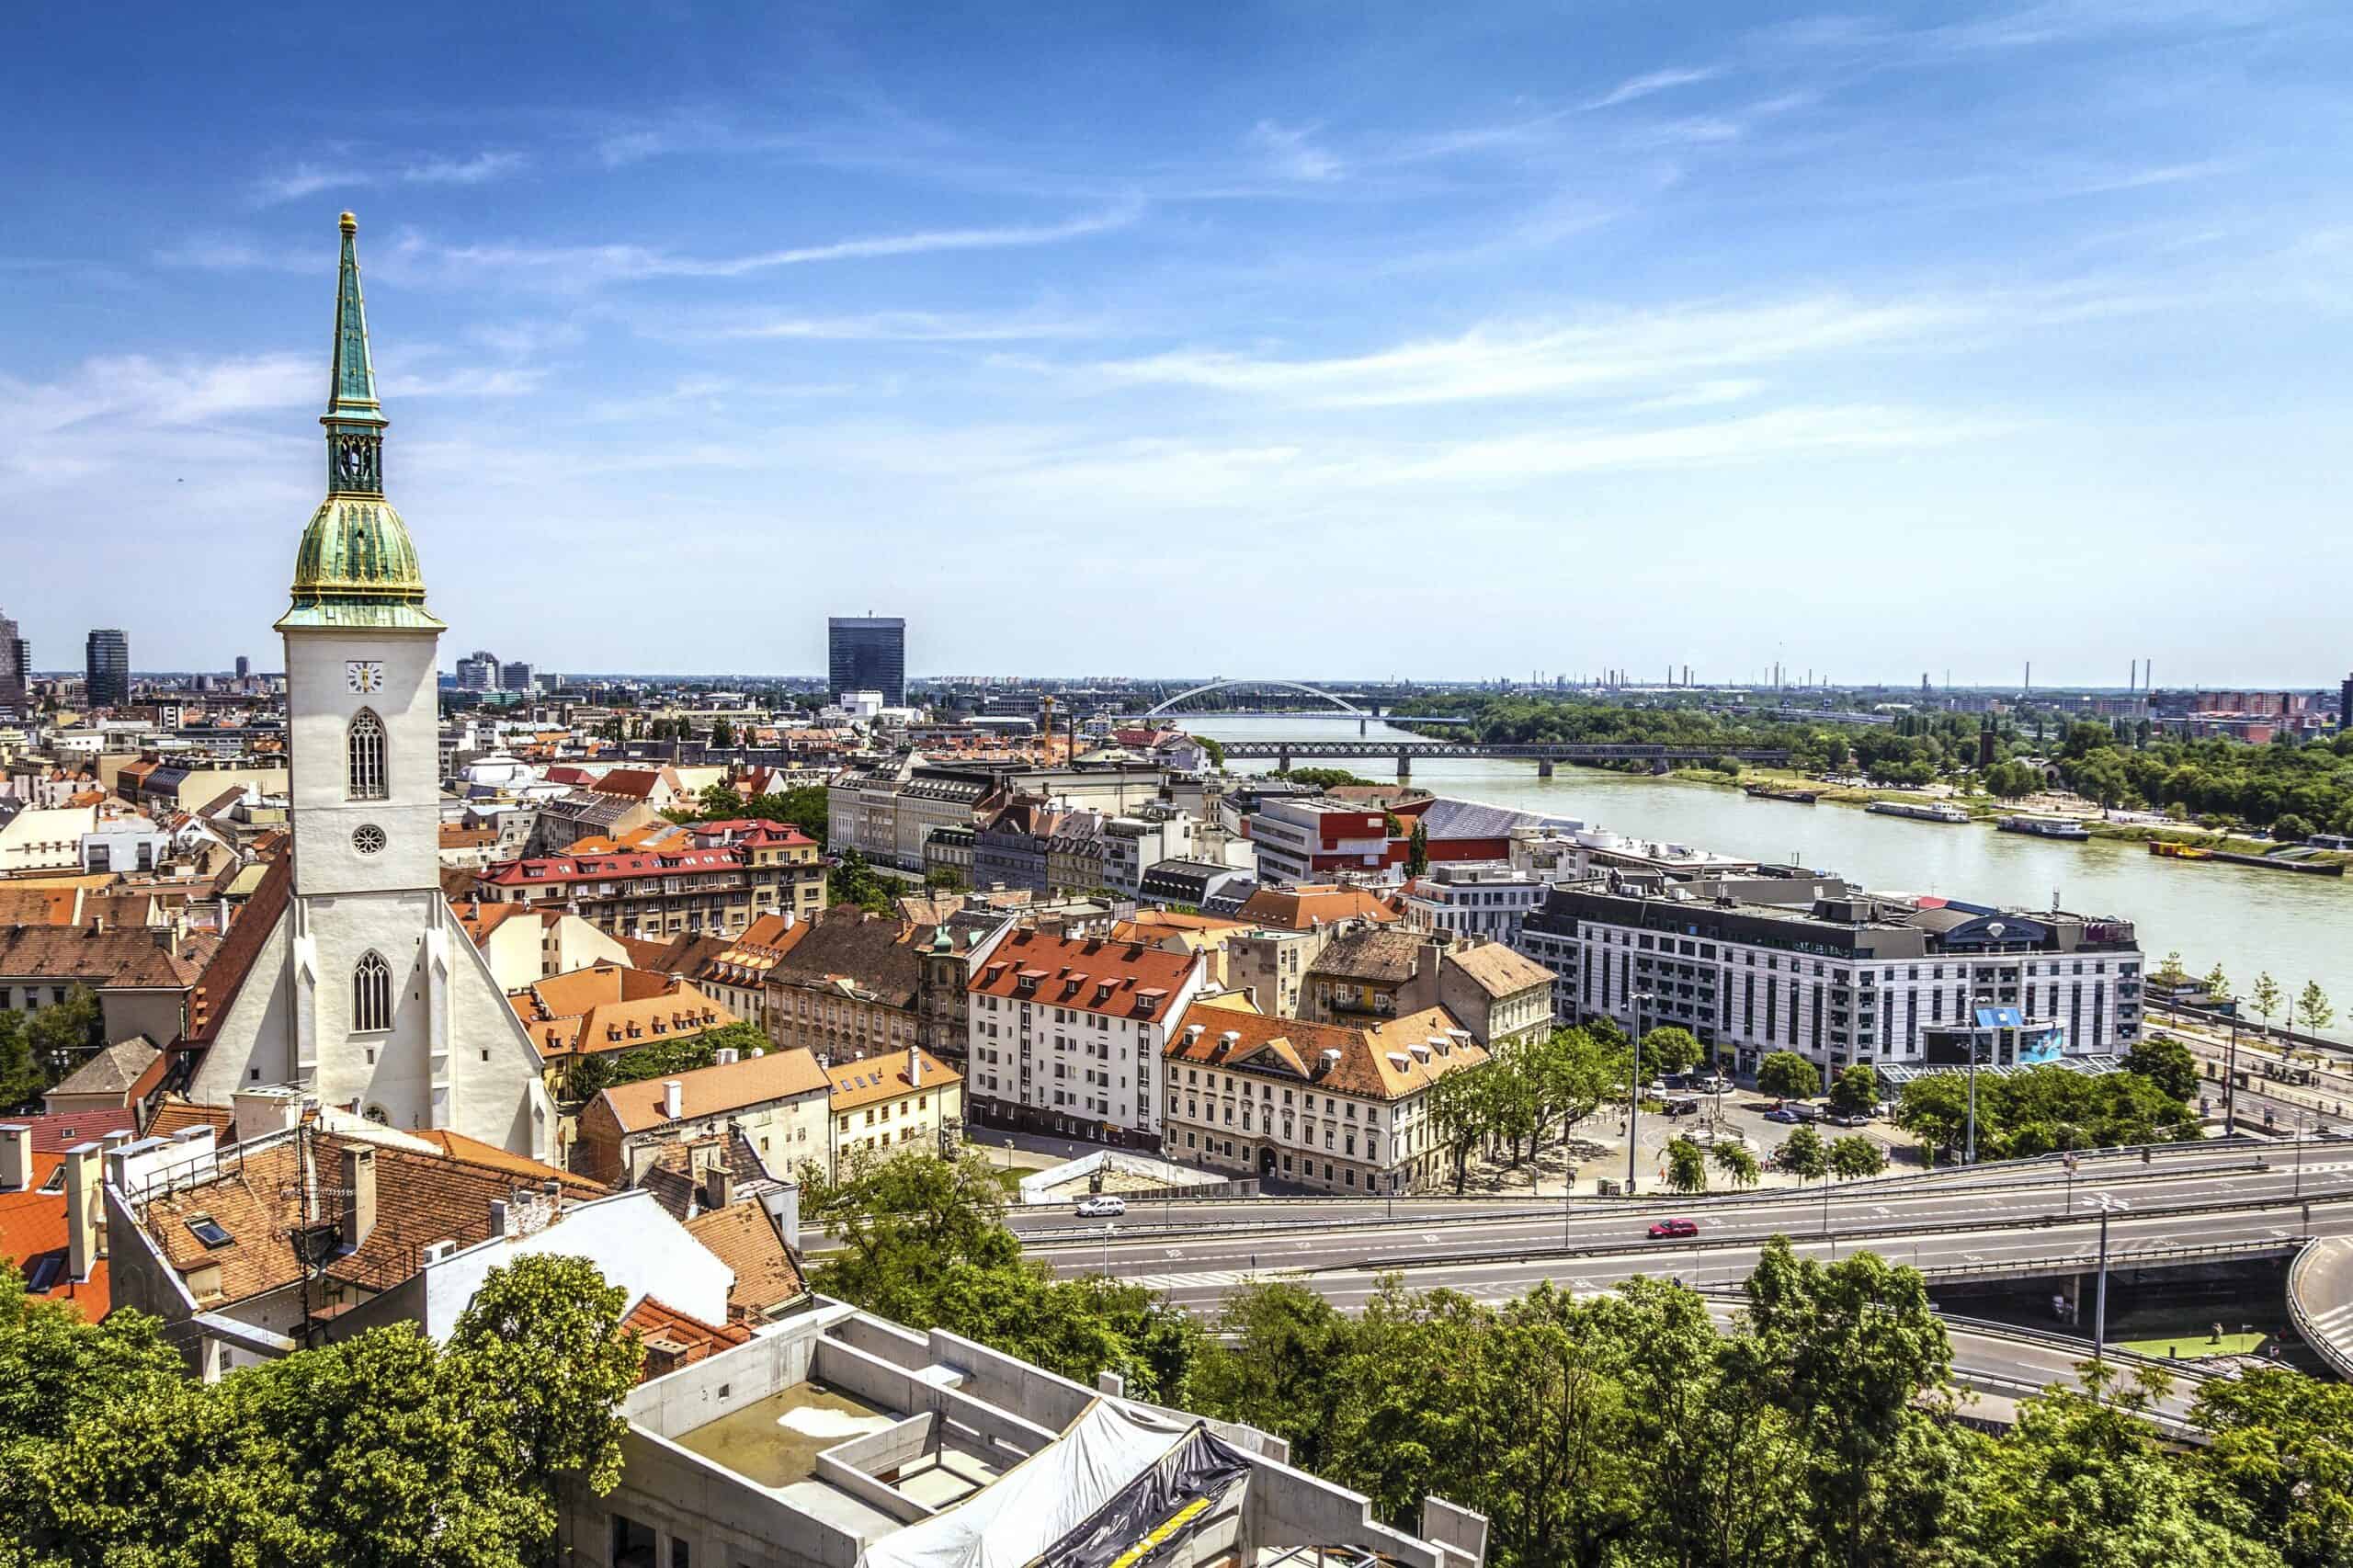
<point x="580" y="266"/>
<point x="353" y="174"/>
<point x="889" y="326"/>
<point x="1289" y="150"/>
<point x="1500" y="360"/>
<point x="1654" y="82"/>
<point x="480" y="169"/>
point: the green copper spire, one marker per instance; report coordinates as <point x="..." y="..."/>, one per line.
<point x="356" y="566"/>
<point x="351" y="386"/>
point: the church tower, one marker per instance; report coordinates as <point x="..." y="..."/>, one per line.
<point x="366" y="995"/>
<point x="361" y="682"/>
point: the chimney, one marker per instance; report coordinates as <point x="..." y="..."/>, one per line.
<point x="914" y="1066"/>
<point x="722" y="1186"/>
<point x="82" y="1209"/>
<point x="783" y="1206"/>
<point x="359" y="1195"/>
<point x="724" y="1056"/>
<point x="498" y="1216"/>
<point x="16" y="1157"/>
<point x="674" y="1100"/>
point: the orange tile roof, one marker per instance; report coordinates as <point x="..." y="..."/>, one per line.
<point x="1296" y="909"/>
<point x="1386" y="1062"/>
<point x="674" y="1339"/>
<point x="222" y="977"/>
<point x="871" y="1079"/>
<point x="742" y="1237"/>
<point x="33" y="1236"/>
<point x="715" y="1091"/>
<point x="474" y="1151"/>
<point x="609" y="1006"/>
<point x="173" y="1114"/>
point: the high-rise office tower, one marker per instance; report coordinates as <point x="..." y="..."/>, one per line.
<point x="107" y="664"/>
<point x="478" y="673"/>
<point x="867" y="653"/>
<point x="15" y="666"/>
<point x="244" y="668"/>
<point x="517" y="676"/>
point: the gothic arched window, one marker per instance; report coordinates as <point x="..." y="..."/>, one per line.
<point x="371" y="994"/>
<point x="365" y="746"/>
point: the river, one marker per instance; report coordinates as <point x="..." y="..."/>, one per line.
<point x="2298" y="929"/>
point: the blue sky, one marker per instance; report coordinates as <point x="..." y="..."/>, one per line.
<point x="1288" y="339"/>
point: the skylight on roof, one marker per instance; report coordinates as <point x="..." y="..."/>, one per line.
<point x="206" y="1229"/>
<point x="56" y="1182"/>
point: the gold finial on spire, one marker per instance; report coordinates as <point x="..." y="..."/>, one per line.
<point x="351" y="225"/>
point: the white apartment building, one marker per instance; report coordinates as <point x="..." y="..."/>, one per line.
<point x="1312" y="840"/>
<point x="1835" y="973"/>
<point x="1473" y="898"/>
<point x="1338" y="1108"/>
<point x="1066" y="1034"/>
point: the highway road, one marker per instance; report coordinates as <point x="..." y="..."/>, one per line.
<point x="1038" y="1223"/>
<point x="1137" y="1246"/>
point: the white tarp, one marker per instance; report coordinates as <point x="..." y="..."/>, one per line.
<point x="1038" y="1501"/>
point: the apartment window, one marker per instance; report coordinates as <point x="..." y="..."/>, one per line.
<point x="365" y="746"/>
<point x="372" y="993"/>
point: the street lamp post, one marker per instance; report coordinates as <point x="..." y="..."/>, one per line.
<point x="1107" y="1249"/>
<point x="1634" y="1086"/>
<point x="2231" y="1077"/>
<point x="2300" y="1155"/>
<point x="2099" y="1303"/>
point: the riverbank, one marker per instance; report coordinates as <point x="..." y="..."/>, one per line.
<point x="1985" y="809"/>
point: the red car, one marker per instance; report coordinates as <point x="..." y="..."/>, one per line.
<point x="1667" y="1230"/>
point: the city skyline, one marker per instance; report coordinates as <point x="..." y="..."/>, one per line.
<point x="1943" y="330"/>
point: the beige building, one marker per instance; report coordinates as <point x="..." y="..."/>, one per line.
<point x="1368" y="974"/>
<point x="778" y="1101"/>
<point x="1337" y="1107"/>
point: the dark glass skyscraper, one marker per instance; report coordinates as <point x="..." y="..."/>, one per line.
<point x="867" y="653"/>
<point x="108" y="667"/>
<point x="15" y="666"/>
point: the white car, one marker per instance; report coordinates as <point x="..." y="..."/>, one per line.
<point x="1103" y="1206"/>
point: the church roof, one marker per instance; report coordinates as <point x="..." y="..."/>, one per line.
<point x="356" y="566"/>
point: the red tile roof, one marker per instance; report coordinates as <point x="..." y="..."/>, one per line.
<point x="54" y="1133"/>
<point x="1091" y="974"/>
<point x="218" y="986"/>
<point x="33" y="1236"/>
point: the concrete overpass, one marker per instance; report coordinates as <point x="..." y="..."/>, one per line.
<point x="2320" y="1296"/>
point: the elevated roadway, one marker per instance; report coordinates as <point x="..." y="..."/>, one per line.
<point x="2320" y="1296"/>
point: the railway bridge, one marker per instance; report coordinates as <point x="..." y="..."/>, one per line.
<point x="1545" y="755"/>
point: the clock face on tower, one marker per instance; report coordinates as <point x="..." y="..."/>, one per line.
<point x="363" y="678"/>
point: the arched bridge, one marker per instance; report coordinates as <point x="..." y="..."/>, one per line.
<point x="1340" y="703"/>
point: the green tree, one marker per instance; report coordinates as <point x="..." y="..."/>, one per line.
<point x="2169" y="973"/>
<point x="1687" y="1167"/>
<point x="1853" y="1357"/>
<point x="723" y="734"/>
<point x="1803" y="1155"/>
<point x="1276" y="1367"/>
<point x="21" y="1078"/>
<point x="1417" y="850"/>
<point x="1785" y="1075"/>
<point x="854" y="881"/>
<point x="1214" y="750"/>
<point x="2282" y="1444"/>
<point x="62" y="1036"/>
<point x="2291" y="828"/>
<point x="2265" y="997"/>
<point x="2217" y="984"/>
<point x="1322" y="777"/>
<point x="1734" y="1160"/>
<point x="2166" y="1062"/>
<point x="1671" y="1048"/>
<point x="1855" y="1155"/>
<point x="2082" y="1481"/>
<point x="540" y="1357"/>
<point x="1855" y="1092"/>
<point x="2313" y="1008"/>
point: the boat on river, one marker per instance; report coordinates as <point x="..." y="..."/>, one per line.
<point x="2046" y="827"/>
<point x="1778" y="792"/>
<point x="1930" y="810"/>
<point x="2172" y="851"/>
